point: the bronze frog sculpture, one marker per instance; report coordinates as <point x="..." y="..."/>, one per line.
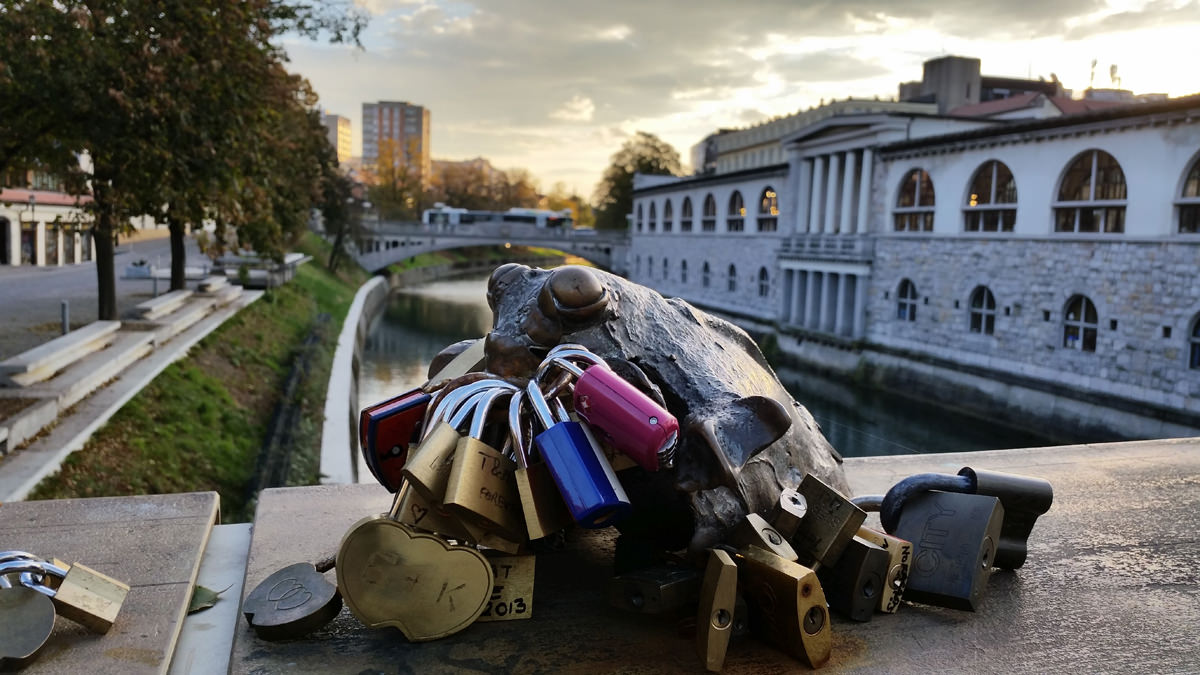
<point x="742" y="436"/>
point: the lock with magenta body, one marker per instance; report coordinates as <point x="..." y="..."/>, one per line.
<point x="628" y="419"/>
<point x="583" y="475"/>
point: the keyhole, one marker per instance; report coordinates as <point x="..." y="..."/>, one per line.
<point x="773" y="537"/>
<point x="814" y="620"/>
<point x="868" y="589"/>
<point x="637" y="599"/>
<point x="721" y="619"/>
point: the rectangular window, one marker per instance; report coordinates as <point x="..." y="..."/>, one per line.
<point x="708" y="225"/>
<point x="1189" y="219"/>
<point x="685" y="225"/>
<point x="735" y="224"/>
<point x="1195" y="360"/>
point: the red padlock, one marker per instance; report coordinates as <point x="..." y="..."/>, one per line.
<point x="629" y="420"/>
<point x="385" y="431"/>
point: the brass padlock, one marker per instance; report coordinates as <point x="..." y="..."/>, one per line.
<point x="428" y="467"/>
<point x="417" y="512"/>
<point x="755" y="531"/>
<point x="655" y="590"/>
<point x="854" y="585"/>
<point x="390" y="574"/>
<point x="789" y="511"/>
<point x="481" y="488"/>
<point x="82" y="594"/>
<point x="787" y="605"/>
<point x="542" y="505"/>
<point x="899" y="560"/>
<point x="715" y="617"/>
<point x="512" y="594"/>
<point x="829" y="524"/>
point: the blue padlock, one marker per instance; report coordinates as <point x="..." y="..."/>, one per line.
<point x="582" y="473"/>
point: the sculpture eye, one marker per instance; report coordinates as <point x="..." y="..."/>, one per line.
<point x="578" y="292"/>
<point x="501" y="277"/>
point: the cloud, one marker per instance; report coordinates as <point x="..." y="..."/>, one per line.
<point x="1154" y="14"/>
<point x="577" y="109"/>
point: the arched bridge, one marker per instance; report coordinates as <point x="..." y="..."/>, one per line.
<point x="390" y="243"/>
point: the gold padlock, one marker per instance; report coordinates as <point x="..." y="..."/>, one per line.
<point x="787" y="605"/>
<point x="512" y="595"/>
<point x="715" y="617"/>
<point x="755" y="531"/>
<point x="899" y="560"/>
<point x="542" y="505"/>
<point x="417" y="512"/>
<point x="481" y="488"/>
<point x="789" y="511"/>
<point x="428" y="467"/>
<point x="389" y="574"/>
<point x="82" y="594"/>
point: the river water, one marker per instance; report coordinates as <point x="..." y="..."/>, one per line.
<point x="418" y="322"/>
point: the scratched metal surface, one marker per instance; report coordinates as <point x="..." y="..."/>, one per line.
<point x="152" y="543"/>
<point x="1112" y="584"/>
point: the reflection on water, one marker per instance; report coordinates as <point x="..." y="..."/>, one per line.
<point x="418" y="322"/>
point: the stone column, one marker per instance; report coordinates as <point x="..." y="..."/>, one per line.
<point x="847" y="215"/>
<point x="811" y="299"/>
<point x="860" y="306"/>
<point x="816" y="195"/>
<point x="58" y="244"/>
<point x="840" y="314"/>
<point x="785" y="312"/>
<point x="825" y="316"/>
<point x="864" y="192"/>
<point x="831" y="193"/>
<point x="799" y="212"/>
<point x="14" y="242"/>
<point x="798" y="289"/>
<point x="39" y="244"/>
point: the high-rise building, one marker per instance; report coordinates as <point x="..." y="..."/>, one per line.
<point x="400" y="129"/>
<point x="338" y="130"/>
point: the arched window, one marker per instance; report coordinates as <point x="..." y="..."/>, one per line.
<point x="992" y="202"/>
<point x="683" y="271"/>
<point x="1194" y="344"/>
<point x="705" y="275"/>
<point x="708" y="221"/>
<point x="1079" y="324"/>
<point x="732" y="279"/>
<point x="1091" y="197"/>
<point x="914" y="206"/>
<point x="1189" y="202"/>
<point x="666" y="269"/>
<point x="685" y="215"/>
<point x="735" y="218"/>
<point x="983" y="311"/>
<point x="639" y="217"/>
<point x="906" y="305"/>
<point x="653" y="221"/>
<point x="764" y="282"/>
<point x="668" y="216"/>
<point x="768" y="210"/>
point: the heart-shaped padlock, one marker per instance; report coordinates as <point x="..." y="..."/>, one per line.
<point x="28" y="620"/>
<point x="291" y="603"/>
<point x="392" y="575"/>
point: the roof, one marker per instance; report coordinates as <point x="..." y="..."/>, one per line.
<point x="42" y="197"/>
<point x="1070" y="106"/>
<point x="715" y="179"/>
<point x="1000" y="105"/>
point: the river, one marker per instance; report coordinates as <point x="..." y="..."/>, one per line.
<point x="418" y="322"/>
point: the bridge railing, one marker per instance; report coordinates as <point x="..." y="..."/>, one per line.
<point x="853" y="247"/>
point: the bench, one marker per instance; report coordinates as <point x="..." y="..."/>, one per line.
<point x="162" y="305"/>
<point x="92" y="372"/>
<point x="42" y="362"/>
<point x="213" y="284"/>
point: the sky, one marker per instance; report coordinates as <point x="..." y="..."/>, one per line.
<point x="556" y="86"/>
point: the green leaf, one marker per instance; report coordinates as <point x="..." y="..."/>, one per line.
<point x="203" y="598"/>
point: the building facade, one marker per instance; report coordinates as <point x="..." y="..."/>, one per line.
<point x="399" y="131"/>
<point x="40" y="224"/>
<point x="1041" y="269"/>
<point x="337" y="129"/>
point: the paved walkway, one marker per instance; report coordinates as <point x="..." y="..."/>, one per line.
<point x="31" y="297"/>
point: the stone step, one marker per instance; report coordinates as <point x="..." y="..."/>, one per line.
<point x="163" y="305"/>
<point x="26" y="424"/>
<point x="181" y="319"/>
<point x="213" y="284"/>
<point x="228" y="294"/>
<point x="90" y="373"/>
<point x="42" y="362"/>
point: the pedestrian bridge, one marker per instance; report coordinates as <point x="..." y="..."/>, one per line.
<point x="390" y="243"/>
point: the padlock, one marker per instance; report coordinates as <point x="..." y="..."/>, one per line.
<point x="620" y="413"/>
<point x="854" y="585"/>
<point x="291" y="603"/>
<point x="386" y="430"/>
<point x="655" y="590"/>
<point x="715" y="616"/>
<point x="392" y="575"/>
<point x="541" y="504"/>
<point x="954" y="539"/>
<point x="79" y="593"/>
<point x="754" y="530"/>
<point x="512" y="594"/>
<point x="899" y="562"/>
<point x="828" y="525"/>
<point x="789" y="511"/>
<point x="1024" y="499"/>
<point x="787" y="605"/>
<point x="584" y="478"/>
<point x="27" y="619"/>
<point x="429" y="467"/>
<point x="481" y="488"/>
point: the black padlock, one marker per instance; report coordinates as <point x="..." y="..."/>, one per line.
<point x="854" y="585"/>
<point x="291" y="603"/>
<point x="954" y="538"/>
<point x="1024" y="499"/>
<point x="656" y="590"/>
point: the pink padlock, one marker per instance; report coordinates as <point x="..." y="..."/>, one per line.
<point x="632" y="422"/>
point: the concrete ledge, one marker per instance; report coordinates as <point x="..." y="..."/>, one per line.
<point x="226" y="294"/>
<point x="178" y="321"/>
<point x="163" y="305"/>
<point x="27" y="423"/>
<point x="213" y="283"/>
<point x="87" y="375"/>
<point x="43" y="362"/>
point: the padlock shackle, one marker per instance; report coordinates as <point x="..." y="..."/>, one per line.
<point x="868" y="503"/>
<point x="465" y="411"/>
<point x="449" y="406"/>
<point x="557" y="349"/>
<point x="482" y="407"/>
<point x="541" y="408"/>
<point x="516" y="432"/>
<point x="893" y="501"/>
<point x="7" y="556"/>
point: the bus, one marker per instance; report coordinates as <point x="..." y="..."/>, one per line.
<point x="441" y="214"/>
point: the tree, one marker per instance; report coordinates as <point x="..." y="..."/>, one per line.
<point x="644" y="153"/>
<point x="394" y="184"/>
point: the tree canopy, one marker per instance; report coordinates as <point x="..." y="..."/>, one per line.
<point x="645" y="153"/>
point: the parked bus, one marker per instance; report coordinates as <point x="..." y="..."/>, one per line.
<point x="441" y="214"/>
